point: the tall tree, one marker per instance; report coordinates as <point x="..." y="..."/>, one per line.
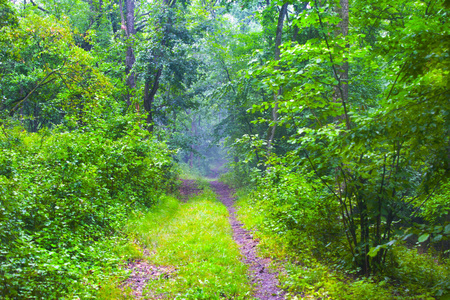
<point x="341" y="70"/>
<point x="277" y="94"/>
<point x="128" y="26"/>
<point x="153" y="76"/>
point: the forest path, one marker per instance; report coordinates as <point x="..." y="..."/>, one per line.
<point x="188" y="188"/>
<point x="265" y="280"/>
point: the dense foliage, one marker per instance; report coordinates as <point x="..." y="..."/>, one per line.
<point x="73" y="167"/>
<point x="61" y="195"/>
<point x="335" y="113"/>
<point x="359" y="162"/>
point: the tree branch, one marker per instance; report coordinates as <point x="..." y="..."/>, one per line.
<point x="38" y="7"/>
<point x="41" y="83"/>
<point x="334" y="69"/>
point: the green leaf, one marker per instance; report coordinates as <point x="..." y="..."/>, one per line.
<point x="374" y="250"/>
<point x="447" y="229"/>
<point x="423" y="237"/>
<point x="407" y="236"/>
<point x="437" y="238"/>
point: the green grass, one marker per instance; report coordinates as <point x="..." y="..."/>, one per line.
<point x="186" y="172"/>
<point x="195" y="239"/>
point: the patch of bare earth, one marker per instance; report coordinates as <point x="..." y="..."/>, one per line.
<point x="188" y="188"/>
<point x="141" y="273"/>
<point x="266" y="281"/>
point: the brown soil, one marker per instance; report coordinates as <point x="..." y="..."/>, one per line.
<point x="266" y="281"/>
<point x="188" y="188"/>
<point x="141" y="273"/>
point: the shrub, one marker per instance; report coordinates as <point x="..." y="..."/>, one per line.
<point x="297" y="209"/>
<point x="298" y="224"/>
<point x="63" y="195"/>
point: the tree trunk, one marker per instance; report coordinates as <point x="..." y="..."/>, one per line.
<point x="278" y="36"/>
<point x="194" y="134"/>
<point x="150" y="90"/>
<point x="150" y="87"/>
<point x="341" y="71"/>
<point x="128" y="27"/>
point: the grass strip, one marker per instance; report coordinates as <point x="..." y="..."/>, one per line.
<point x="195" y="238"/>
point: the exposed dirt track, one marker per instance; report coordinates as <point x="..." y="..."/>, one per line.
<point x="141" y="273"/>
<point x="266" y="281"/>
<point x="188" y="188"/>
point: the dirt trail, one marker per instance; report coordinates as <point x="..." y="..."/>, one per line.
<point x="141" y="273"/>
<point x="266" y="281"/>
<point x="188" y="188"/>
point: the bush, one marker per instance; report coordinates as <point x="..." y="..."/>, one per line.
<point x="420" y="272"/>
<point x="297" y="209"/>
<point x="298" y="224"/>
<point x="62" y="194"/>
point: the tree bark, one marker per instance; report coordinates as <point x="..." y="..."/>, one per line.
<point x="128" y="22"/>
<point x="278" y="36"/>
<point x="341" y="71"/>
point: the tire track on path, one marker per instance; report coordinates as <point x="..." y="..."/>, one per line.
<point x="266" y="281"/>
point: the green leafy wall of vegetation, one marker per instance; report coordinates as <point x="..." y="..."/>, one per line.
<point x="63" y="195"/>
<point x="299" y="229"/>
<point x="358" y="166"/>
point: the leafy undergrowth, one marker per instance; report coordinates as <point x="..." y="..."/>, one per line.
<point x="192" y="173"/>
<point x="415" y="276"/>
<point x="189" y="173"/>
<point x="195" y="239"/>
<point x="64" y="197"/>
